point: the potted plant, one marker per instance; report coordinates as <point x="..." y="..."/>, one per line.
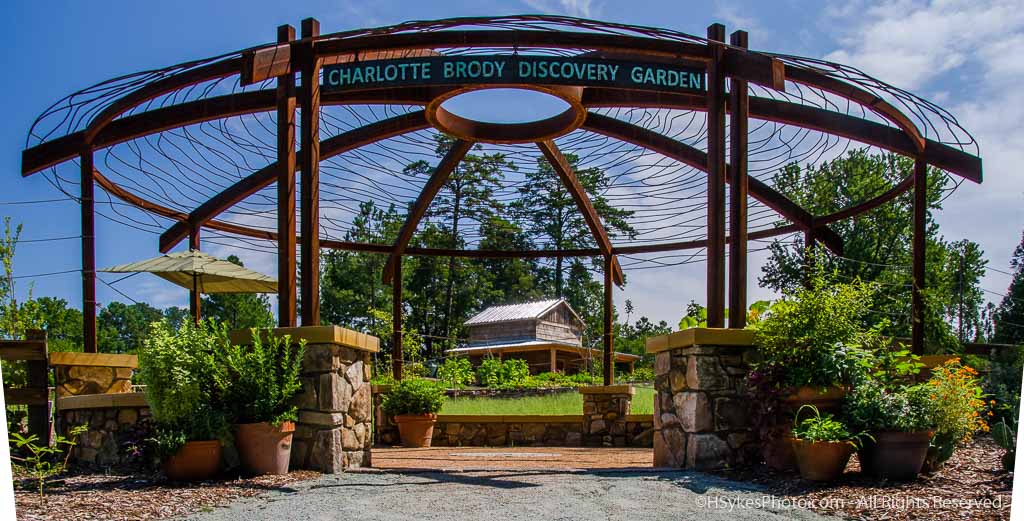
<point x="822" y="445"/>
<point x="901" y="421"/>
<point x="959" y="409"/>
<point x="260" y="381"/>
<point x="414" y="403"/>
<point x="181" y="375"/>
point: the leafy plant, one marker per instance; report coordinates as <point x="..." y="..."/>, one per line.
<point x="894" y="366"/>
<point x="1006" y="437"/>
<point x="908" y="408"/>
<point x="824" y="428"/>
<point x="43" y="461"/>
<point x="414" y="396"/>
<point x="813" y="335"/>
<point x="261" y="379"/>
<point x="509" y="373"/>
<point x="456" y="372"/>
<point x="184" y="379"/>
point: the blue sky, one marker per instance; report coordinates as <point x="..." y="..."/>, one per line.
<point x="960" y="54"/>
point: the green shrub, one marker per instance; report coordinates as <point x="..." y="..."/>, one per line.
<point x="814" y="336"/>
<point x="908" y="408"/>
<point x="184" y="381"/>
<point x="823" y="428"/>
<point x="261" y="379"/>
<point x="456" y="372"/>
<point x="488" y="373"/>
<point x="414" y="396"/>
<point x="640" y="374"/>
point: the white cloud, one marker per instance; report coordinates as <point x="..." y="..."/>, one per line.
<point x="578" y="8"/>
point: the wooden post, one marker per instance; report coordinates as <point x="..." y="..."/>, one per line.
<point x="738" y="120"/>
<point x="609" y="365"/>
<point x="38" y="371"/>
<point x="396" y="320"/>
<point x="716" y="180"/>
<point x="554" y="360"/>
<point x="194" y="295"/>
<point x="310" y="145"/>
<point x="88" y="250"/>
<point x="919" y="244"/>
<point x="286" y="306"/>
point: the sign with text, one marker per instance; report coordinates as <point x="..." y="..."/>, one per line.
<point x="519" y="69"/>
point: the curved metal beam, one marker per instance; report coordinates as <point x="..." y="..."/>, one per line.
<point x="579" y="194"/>
<point x="442" y="172"/>
<point x="261" y="178"/>
<point x="688" y="155"/>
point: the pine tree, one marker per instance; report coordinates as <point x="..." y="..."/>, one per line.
<point x="1009" y="316"/>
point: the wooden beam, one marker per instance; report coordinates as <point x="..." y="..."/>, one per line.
<point x="88" y="223"/>
<point x="26" y="396"/>
<point x="194" y="296"/>
<point x="15" y="350"/>
<point x="396" y="321"/>
<point x="437" y="180"/>
<point x="285" y="93"/>
<point x="572" y="184"/>
<point x="310" y="143"/>
<point x="716" y="169"/>
<point x="918" y="247"/>
<point x="609" y="310"/>
<point x="739" y="186"/>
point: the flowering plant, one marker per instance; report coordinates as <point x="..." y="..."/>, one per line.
<point x="959" y="407"/>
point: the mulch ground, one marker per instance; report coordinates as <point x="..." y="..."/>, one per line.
<point x="972" y="485"/>
<point x="123" y="497"/>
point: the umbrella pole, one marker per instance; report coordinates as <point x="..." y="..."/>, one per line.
<point x="193" y="299"/>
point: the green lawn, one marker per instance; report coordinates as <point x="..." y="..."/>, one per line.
<point x="561" y="403"/>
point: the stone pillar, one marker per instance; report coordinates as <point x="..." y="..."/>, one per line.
<point x="604" y="414"/>
<point x="92" y="373"/>
<point x="702" y="406"/>
<point x="334" y="429"/>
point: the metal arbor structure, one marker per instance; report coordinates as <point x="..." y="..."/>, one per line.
<point x="692" y="141"/>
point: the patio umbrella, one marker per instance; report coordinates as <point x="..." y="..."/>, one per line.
<point x="201" y="273"/>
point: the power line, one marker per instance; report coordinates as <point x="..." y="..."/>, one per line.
<point x="45" y="274"/>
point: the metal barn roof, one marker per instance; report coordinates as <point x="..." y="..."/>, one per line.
<point x="514" y="312"/>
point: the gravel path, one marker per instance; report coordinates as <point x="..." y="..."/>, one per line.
<point x="542" y="494"/>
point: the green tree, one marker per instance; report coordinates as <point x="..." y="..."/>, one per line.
<point x="467" y="195"/>
<point x="509" y="279"/>
<point x="1008" y="319"/>
<point x="63" y="324"/>
<point x="238" y="310"/>
<point x="877" y="244"/>
<point x="123" y="328"/>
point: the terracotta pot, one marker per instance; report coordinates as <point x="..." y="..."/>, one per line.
<point x="829" y="399"/>
<point x="263" y="448"/>
<point x="822" y="460"/>
<point x="778" y="454"/>
<point x="194" y="461"/>
<point x="416" y="429"/>
<point x="894" y="455"/>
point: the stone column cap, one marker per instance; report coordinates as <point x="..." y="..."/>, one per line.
<point x="316" y="335"/>
<point x="701" y="336"/>
<point x="94" y="359"/>
<point x="608" y="389"/>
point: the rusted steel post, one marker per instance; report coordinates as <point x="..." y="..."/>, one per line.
<point x="739" y="104"/>
<point x="309" y="93"/>
<point x="396" y="320"/>
<point x="194" y="295"/>
<point x="286" y="306"/>
<point x="920" y="227"/>
<point x="716" y="179"/>
<point x="609" y="364"/>
<point x="88" y="250"/>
